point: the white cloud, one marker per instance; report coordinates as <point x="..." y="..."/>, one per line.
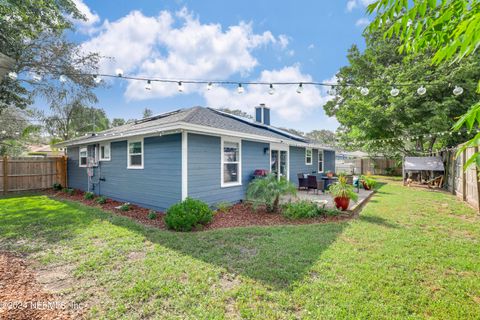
<point x="352" y="4"/>
<point x="283" y="41"/>
<point x="91" y="18"/>
<point x="311" y="46"/>
<point x="178" y="47"/>
<point x="362" y="22"/>
<point x="285" y="102"/>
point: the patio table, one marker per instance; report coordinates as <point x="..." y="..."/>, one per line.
<point x="329" y="181"/>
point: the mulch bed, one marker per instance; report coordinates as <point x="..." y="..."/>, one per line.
<point x="239" y="215"/>
<point x="23" y="298"/>
<point x="137" y="213"/>
<point x="242" y="215"/>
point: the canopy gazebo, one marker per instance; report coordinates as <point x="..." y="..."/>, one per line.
<point x="417" y="168"/>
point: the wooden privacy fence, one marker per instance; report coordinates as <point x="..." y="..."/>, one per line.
<point x="462" y="183"/>
<point x="23" y="174"/>
<point x="381" y="166"/>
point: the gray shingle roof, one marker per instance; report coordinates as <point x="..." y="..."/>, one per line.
<point x="198" y="116"/>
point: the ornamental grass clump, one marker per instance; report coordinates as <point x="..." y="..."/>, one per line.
<point x="268" y="190"/>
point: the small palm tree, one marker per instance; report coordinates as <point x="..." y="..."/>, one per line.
<point x="268" y="190"/>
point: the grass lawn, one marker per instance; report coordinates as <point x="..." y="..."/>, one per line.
<point x="411" y="254"/>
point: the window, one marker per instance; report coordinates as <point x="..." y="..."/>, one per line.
<point x="82" y="157"/>
<point x="135" y="154"/>
<point x="320" y="161"/>
<point x="308" y="156"/>
<point x="231" y="163"/>
<point x="105" y="152"/>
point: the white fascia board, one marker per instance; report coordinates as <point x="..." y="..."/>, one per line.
<point x="177" y="128"/>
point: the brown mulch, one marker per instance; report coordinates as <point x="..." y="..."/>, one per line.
<point x="239" y="215"/>
<point x="23" y="298"/>
<point x="136" y="213"/>
<point x="242" y="215"/>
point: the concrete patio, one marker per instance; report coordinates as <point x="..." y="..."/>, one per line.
<point x="313" y="196"/>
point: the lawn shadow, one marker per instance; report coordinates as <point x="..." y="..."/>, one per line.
<point x="274" y="255"/>
<point x="277" y="256"/>
<point x="378" y="221"/>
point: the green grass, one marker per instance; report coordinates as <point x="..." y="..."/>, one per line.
<point x="411" y="254"/>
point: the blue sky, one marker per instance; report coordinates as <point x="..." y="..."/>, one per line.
<point x="222" y="40"/>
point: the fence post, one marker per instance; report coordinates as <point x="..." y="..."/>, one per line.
<point x="478" y="183"/>
<point x="5" y="174"/>
<point x="464" y="176"/>
<point x="64" y="171"/>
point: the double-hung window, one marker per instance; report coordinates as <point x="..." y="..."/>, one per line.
<point x="320" y="161"/>
<point x="82" y="157"/>
<point x="231" y="171"/>
<point x="105" y="152"/>
<point x="308" y="156"/>
<point x="135" y="154"/>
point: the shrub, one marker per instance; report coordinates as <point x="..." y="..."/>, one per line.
<point x="101" y="200"/>
<point x="186" y="215"/>
<point x="300" y="209"/>
<point x="329" y="212"/>
<point x="57" y="186"/>
<point x="223" y="206"/>
<point x="125" y="207"/>
<point x="89" y="195"/>
<point x="69" y="191"/>
<point x="268" y="191"/>
<point x="369" y="181"/>
<point x="152" y="215"/>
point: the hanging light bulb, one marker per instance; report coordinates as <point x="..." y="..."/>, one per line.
<point x="364" y="91"/>
<point x="240" y="89"/>
<point x="13" y="75"/>
<point x="209" y="86"/>
<point x="62" y="78"/>
<point x="97" y="79"/>
<point x="394" y="92"/>
<point x="300" y="88"/>
<point x="271" y="90"/>
<point x="457" y="91"/>
<point x="180" y="86"/>
<point x="148" y="86"/>
<point x="421" y="91"/>
<point x="119" y="72"/>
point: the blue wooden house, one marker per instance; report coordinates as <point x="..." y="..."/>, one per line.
<point x="199" y="152"/>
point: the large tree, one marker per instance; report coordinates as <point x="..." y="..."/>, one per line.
<point x="29" y="34"/>
<point x="449" y="28"/>
<point x="374" y="120"/>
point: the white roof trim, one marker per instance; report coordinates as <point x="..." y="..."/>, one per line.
<point x="177" y="127"/>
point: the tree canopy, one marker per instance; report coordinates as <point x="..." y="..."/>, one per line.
<point x="367" y="120"/>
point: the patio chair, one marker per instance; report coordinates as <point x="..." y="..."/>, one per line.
<point x="302" y="181"/>
<point x="313" y="183"/>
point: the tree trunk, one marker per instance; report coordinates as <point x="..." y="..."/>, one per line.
<point x="275" y="204"/>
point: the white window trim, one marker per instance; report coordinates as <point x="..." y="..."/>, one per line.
<point x="80" y="157"/>
<point x="280" y="147"/>
<point x="323" y="161"/>
<point x="311" y="156"/>
<point x="128" y="154"/>
<point x="107" y="144"/>
<point x="239" y="182"/>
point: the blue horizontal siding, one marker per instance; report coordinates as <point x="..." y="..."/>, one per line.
<point x="297" y="163"/>
<point x="76" y="176"/>
<point x="157" y="186"/>
<point x="204" y="168"/>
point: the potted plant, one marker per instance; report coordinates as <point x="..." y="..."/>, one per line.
<point x="342" y="192"/>
<point x="368" y="182"/>
<point x="329" y="174"/>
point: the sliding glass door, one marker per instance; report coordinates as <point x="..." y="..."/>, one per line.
<point x="279" y="163"/>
